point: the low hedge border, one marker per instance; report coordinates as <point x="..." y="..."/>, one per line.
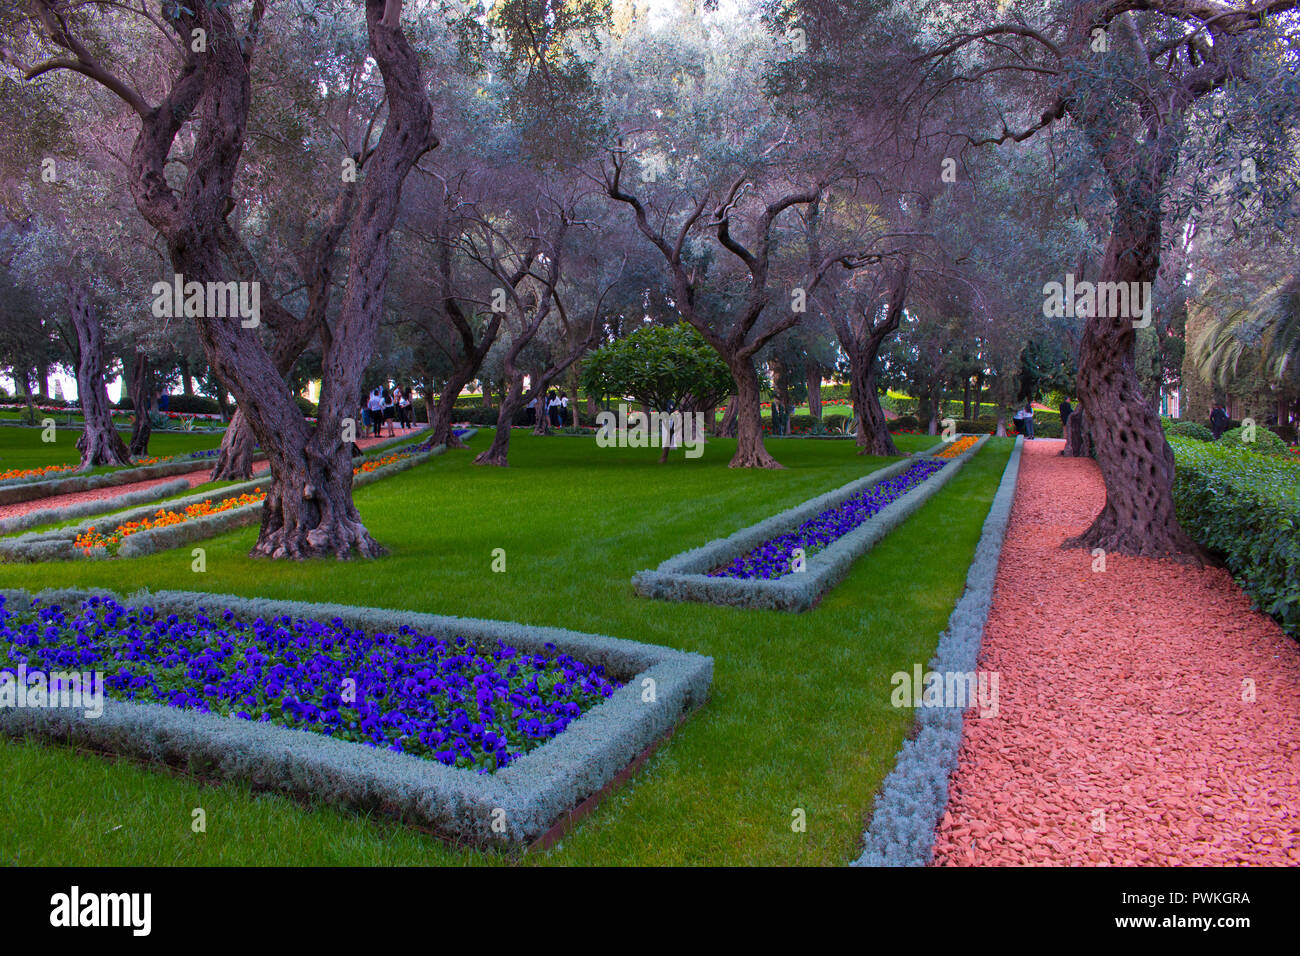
<point x="534" y="792"/>
<point x="82" y="509"/>
<point x="684" y="577"/>
<point x="176" y="535"/>
<point x="30" y="490"/>
<point x="915" y="794"/>
<point x="56" y="544"/>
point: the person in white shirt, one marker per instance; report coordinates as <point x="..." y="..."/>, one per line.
<point x="376" y="406"/>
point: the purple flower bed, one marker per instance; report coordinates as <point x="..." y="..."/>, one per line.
<point x="774" y="558"/>
<point x="442" y="699"/>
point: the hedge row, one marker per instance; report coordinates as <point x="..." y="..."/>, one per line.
<point x="83" y="509"/>
<point x="198" y="529"/>
<point x="1245" y="507"/>
<point x="684" y="577"/>
<point x="24" y="490"/>
<point x="57" y="544"/>
<point x="528" y="797"/>
<point x="915" y="794"/>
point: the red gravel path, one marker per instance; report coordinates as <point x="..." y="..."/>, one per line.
<point x="195" y="478"/>
<point x="1122" y="735"/>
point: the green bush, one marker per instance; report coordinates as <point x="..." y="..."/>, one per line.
<point x="1196" y="430"/>
<point x="979" y="426"/>
<point x="193" y="405"/>
<point x="1245" y="507"/>
<point x="1265" y="443"/>
<point x="900" y="406"/>
<point x="905" y="423"/>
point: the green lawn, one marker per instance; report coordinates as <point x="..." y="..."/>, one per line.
<point x="799" y="718"/>
<point x="23" y="447"/>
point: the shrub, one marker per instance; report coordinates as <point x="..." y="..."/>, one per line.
<point x="1247" y="508"/>
<point x="1265" y="443"/>
<point x="902" y="406"/>
<point x="193" y="405"/>
<point x="905" y="423"/>
<point x="1194" y="430"/>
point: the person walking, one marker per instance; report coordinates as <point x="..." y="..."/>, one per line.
<point x="390" y="410"/>
<point x="376" y="406"/>
<point x="1066" y="411"/>
<point x="408" y="409"/>
<point x="1218" y="421"/>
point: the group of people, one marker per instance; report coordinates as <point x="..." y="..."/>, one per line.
<point x="395" y="408"/>
<point x="1024" y="418"/>
<point x="554" y="406"/>
<point x="1024" y="421"/>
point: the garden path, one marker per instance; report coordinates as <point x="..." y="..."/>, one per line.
<point x="1146" y="715"/>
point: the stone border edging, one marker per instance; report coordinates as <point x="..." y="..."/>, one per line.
<point x="914" y="795"/>
<point x="684" y="576"/>
<point x="534" y="791"/>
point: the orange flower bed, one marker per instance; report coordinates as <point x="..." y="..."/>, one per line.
<point x="34" y="472"/>
<point x="366" y="466"/>
<point x="91" y="538"/>
<point x="956" y="448"/>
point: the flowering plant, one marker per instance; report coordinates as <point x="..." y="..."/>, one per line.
<point x="441" y="698"/>
<point x="956" y="448"/>
<point x="34" y="472"/>
<point x="775" y="557"/>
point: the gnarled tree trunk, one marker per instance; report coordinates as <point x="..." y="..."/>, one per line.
<point x="1077" y="441"/>
<point x="873" y="435"/>
<point x="235" y="457"/>
<point x="99" y="444"/>
<point x="141" y="394"/>
<point x="814" y="390"/>
<point x="1136" y="461"/>
<point x="498" y="453"/>
<point x="440" y="415"/>
<point x="750" y="450"/>
<point x="726" y="426"/>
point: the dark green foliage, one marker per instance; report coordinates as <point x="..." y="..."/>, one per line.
<point x="664" y="367"/>
<point x="1189" y="430"/>
<point x="1265" y="443"/>
<point x="1245" y="507"/>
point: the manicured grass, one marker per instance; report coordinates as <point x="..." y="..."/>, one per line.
<point x="23" y="447"/>
<point x="799" y="718"/>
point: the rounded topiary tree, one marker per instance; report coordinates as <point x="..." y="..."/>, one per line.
<point x="1265" y="443"/>
<point x="668" y="368"/>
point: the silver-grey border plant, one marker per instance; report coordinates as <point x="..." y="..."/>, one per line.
<point x="57" y="544"/>
<point x="98" y="506"/>
<point x="661" y="687"/>
<point x="684" y="577"/>
<point x="915" y="794"/>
